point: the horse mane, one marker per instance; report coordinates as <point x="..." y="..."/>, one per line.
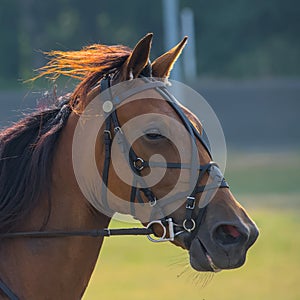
<point x="27" y="148"/>
<point x="87" y="65"/>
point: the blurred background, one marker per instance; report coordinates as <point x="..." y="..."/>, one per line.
<point x="243" y="57"/>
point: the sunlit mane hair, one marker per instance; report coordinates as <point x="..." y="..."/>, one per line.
<point x="88" y="65"/>
<point x="27" y="147"/>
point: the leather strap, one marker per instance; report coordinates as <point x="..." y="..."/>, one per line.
<point x="7" y="291"/>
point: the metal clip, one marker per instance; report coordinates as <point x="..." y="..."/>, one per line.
<point x="153" y="202"/>
<point x="163" y="237"/>
<point x="118" y="129"/>
<point x="186" y="227"/>
<point x="190" y="204"/>
<point x="120" y="138"/>
<point x="108" y="133"/>
<point x="139" y="164"/>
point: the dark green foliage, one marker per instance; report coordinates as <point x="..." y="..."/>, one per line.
<point x="235" y="38"/>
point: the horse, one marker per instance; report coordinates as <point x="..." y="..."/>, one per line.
<point x="51" y="235"/>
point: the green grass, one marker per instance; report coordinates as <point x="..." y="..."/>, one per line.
<point x="135" y="269"/>
<point x="267" y="173"/>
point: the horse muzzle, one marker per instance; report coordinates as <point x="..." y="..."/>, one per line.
<point x="224" y="246"/>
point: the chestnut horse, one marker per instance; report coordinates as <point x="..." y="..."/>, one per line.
<point x="51" y="235"/>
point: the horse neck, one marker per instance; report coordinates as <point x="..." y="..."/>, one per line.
<point x="57" y="267"/>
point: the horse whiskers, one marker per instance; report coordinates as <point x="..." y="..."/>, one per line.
<point x="179" y="260"/>
<point x="178" y="263"/>
<point x="203" y="278"/>
<point x="186" y="268"/>
<point x="196" y="278"/>
<point x="180" y="255"/>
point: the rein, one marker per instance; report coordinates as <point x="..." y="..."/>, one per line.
<point x="89" y="233"/>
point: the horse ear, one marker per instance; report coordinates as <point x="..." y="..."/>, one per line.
<point x="163" y="65"/>
<point x="138" y="59"/>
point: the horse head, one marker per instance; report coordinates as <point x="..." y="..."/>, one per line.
<point x="156" y="166"/>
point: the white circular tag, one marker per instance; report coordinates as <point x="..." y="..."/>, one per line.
<point x="107" y="106"/>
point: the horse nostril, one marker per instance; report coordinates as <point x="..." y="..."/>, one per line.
<point x="228" y="235"/>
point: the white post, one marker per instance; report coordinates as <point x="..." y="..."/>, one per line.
<point x="189" y="53"/>
<point x="171" y="30"/>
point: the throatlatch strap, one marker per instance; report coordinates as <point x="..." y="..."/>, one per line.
<point x="7" y="291"/>
<point x="105" y="84"/>
<point x="105" y="172"/>
<point x="133" y="196"/>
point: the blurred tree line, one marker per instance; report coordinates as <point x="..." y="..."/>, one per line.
<point x="235" y="38"/>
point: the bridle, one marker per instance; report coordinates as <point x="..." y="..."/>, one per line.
<point x="137" y="163"/>
<point x="113" y="130"/>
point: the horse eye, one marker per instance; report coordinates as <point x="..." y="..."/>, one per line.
<point x="153" y="134"/>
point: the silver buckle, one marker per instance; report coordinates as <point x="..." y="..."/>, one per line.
<point x="187" y="204"/>
<point x="163" y="237"/>
<point x="108" y="132"/>
<point x="118" y="129"/>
